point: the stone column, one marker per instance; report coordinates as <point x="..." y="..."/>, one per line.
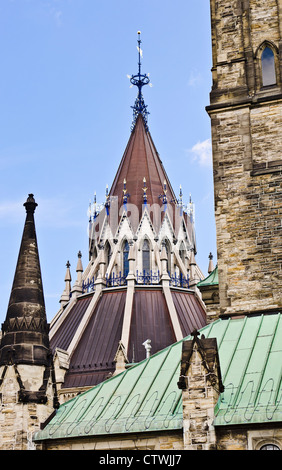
<point x="200" y="381"/>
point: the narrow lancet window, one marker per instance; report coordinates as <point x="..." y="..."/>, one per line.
<point x="168" y="252"/>
<point x="182" y="252"/>
<point x="108" y="251"/>
<point x="146" y="256"/>
<point x="268" y="67"/>
<point x="125" y="258"/>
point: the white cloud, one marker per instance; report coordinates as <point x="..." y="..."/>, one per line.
<point x="202" y="153"/>
<point x="194" y="78"/>
<point x="57" y="16"/>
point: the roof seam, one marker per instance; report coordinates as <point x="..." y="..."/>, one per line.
<point x="247" y="363"/>
<point x="266" y="358"/>
<point x="280" y="382"/>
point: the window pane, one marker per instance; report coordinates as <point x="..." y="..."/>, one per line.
<point x="125" y="259"/>
<point x="167" y="248"/>
<point x="182" y="252"/>
<point x="269" y="447"/>
<point x="146" y="256"/>
<point x="108" y="253"/>
<point x="268" y="67"/>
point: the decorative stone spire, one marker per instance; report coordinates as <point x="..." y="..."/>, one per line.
<point x="68" y="278"/>
<point x="25" y="330"/>
<point x="79" y="267"/>
<point x="67" y="292"/>
<point x="211" y="266"/>
<point x="27" y="383"/>
<point x="77" y="288"/>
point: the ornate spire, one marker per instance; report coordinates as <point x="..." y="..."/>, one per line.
<point x="139" y="80"/>
<point x="25" y="330"/>
<point x="211" y="266"/>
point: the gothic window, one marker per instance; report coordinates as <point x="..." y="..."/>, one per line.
<point x="168" y="252"/>
<point x="182" y="252"/>
<point x="125" y="258"/>
<point x="108" y="252"/>
<point x="269" y="447"/>
<point x="95" y="253"/>
<point x="146" y="256"/>
<point x="268" y="67"/>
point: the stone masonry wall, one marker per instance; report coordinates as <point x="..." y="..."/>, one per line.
<point x="144" y="441"/>
<point x="248" y="211"/>
<point x="246" y="123"/>
<point x="18" y="421"/>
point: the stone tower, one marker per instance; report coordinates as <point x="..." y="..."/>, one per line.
<point x="27" y="390"/>
<point x="246" y="121"/>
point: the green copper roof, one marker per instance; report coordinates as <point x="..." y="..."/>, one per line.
<point x="146" y="396"/>
<point x="210" y="280"/>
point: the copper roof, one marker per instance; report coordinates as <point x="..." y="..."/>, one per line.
<point x="140" y="160"/>
<point x="196" y="318"/>
<point x="65" y="333"/>
<point x="146" y="397"/>
<point x="150" y="320"/>
<point x="92" y="360"/>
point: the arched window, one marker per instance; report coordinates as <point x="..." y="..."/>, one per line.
<point x="182" y="252"/>
<point x="94" y="253"/>
<point x="168" y="252"/>
<point x="108" y="252"/>
<point x="269" y="447"/>
<point x="268" y="67"/>
<point x="125" y="258"/>
<point x="146" y="256"/>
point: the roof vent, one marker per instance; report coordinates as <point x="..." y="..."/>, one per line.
<point x="148" y="347"/>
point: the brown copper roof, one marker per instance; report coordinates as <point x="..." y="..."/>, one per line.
<point x="65" y="333"/>
<point x="150" y="320"/>
<point x="140" y="160"/>
<point x="190" y="312"/>
<point x="92" y="361"/>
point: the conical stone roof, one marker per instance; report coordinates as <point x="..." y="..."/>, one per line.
<point x="25" y="329"/>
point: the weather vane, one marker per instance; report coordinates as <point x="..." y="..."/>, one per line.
<point x="139" y="80"/>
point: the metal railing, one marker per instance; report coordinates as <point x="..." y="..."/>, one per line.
<point x="142" y="278"/>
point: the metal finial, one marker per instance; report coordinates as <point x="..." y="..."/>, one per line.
<point x="144" y="190"/>
<point x="125" y="194"/>
<point x="107" y="203"/>
<point x="30" y="204"/>
<point x="139" y="80"/>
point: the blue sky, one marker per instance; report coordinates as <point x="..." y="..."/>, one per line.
<point x="66" y="114"/>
